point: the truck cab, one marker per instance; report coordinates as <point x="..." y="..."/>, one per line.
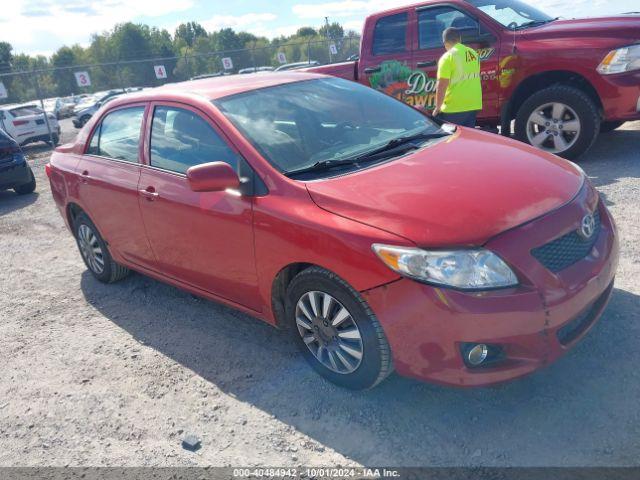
<point x="559" y="82"/>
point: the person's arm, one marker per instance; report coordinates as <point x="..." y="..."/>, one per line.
<point x="441" y="90"/>
<point x="444" y="76"/>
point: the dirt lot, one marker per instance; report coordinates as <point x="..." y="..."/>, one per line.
<point x="117" y="375"/>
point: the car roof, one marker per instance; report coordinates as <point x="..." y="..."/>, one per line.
<point x="219" y="87"/>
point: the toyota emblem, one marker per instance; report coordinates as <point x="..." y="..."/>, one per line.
<point x="587" y="227"/>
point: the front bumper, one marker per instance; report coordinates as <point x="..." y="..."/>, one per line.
<point x="535" y="323"/>
<point x="620" y="96"/>
<point x="14" y="174"/>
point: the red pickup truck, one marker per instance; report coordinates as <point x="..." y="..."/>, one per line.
<point x="562" y="81"/>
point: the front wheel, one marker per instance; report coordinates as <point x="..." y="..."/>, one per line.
<point x="562" y="120"/>
<point x="95" y="253"/>
<point x="336" y="331"/>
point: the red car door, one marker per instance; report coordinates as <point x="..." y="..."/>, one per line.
<point x="428" y="48"/>
<point x="202" y="239"/>
<point x="385" y="65"/>
<point x="110" y="171"/>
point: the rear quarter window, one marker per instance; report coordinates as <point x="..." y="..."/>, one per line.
<point x="390" y="34"/>
<point x="118" y="135"/>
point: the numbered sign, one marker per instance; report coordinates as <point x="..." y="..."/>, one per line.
<point x="161" y="72"/>
<point x="333" y="49"/>
<point x="83" y="79"/>
<point x="227" y="63"/>
<point x="3" y="91"/>
<point x="282" y="58"/>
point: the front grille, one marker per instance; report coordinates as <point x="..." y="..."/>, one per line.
<point x="563" y="252"/>
<point x="582" y="322"/>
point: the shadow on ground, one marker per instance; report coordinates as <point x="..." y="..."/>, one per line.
<point x="579" y="411"/>
<point x="11" y="201"/>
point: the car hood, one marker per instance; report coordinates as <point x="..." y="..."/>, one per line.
<point x="618" y="27"/>
<point x="457" y="192"/>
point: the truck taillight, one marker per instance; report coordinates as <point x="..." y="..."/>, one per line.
<point x="47" y="169"/>
<point x="17" y="123"/>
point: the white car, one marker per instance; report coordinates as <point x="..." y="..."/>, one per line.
<point x="26" y="124"/>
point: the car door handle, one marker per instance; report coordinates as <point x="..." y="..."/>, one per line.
<point x="85" y="177"/>
<point x="430" y="63"/>
<point x="149" y="193"/>
<point x="372" y="70"/>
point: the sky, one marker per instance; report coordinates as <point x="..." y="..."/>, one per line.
<point x="42" y="26"/>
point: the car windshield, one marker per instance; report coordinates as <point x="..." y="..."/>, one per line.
<point x="513" y="14"/>
<point x="296" y="126"/>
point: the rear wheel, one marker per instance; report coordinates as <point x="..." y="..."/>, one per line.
<point x="95" y="253"/>
<point x="607" y="127"/>
<point x="336" y="331"/>
<point x="562" y="120"/>
<point x="27" y="188"/>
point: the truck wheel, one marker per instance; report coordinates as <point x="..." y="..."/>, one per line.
<point x="56" y="141"/>
<point x="336" y="331"/>
<point x="95" y="253"/>
<point x="607" y="127"/>
<point x="561" y="119"/>
<point x="27" y="188"/>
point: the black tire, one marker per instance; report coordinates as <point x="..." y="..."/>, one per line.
<point x="84" y="119"/>
<point x="375" y="364"/>
<point x="576" y="99"/>
<point x="607" y="127"/>
<point x="56" y="141"/>
<point x="111" y="271"/>
<point x="27" y="188"/>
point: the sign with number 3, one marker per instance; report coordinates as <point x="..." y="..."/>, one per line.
<point x="83" y="79"/>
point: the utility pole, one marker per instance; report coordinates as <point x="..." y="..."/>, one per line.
<point x="326" y="22"/>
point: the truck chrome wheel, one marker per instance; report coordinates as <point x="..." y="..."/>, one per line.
<point x="553" y="127"/>
<point x="90" y="249"/>
<point x="329" y="332"/>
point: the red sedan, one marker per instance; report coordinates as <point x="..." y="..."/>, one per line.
<point x="379" y="239"/>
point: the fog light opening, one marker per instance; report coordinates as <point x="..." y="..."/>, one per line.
<point x="477" y="354"/>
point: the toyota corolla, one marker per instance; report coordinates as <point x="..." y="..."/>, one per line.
<point x="380" y="240"/>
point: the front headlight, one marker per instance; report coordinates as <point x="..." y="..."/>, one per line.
<point x="621" y="60"/>
<point x="475" y="269"/>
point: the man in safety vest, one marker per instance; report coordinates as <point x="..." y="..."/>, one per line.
<point x="459" y="92"/>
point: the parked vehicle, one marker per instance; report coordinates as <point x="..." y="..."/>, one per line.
<point x="59" y="107"/>
<point x="255" y="70"/>
<point x="314" y="203"/>
<point x="85" y="110"/>
<point x="15" y="172"/>
<point x="297" y="66"/>
<point x="562" y="81"/>
<point x="26" y="124"/>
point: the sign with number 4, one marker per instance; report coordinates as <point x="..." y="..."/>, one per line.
<point x="83" y="79"/>
<point x="161" y="72"/>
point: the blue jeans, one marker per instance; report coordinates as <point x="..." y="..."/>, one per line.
<point x="464" y="119"/>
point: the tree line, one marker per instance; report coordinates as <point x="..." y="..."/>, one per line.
<point x="129" y="51"/>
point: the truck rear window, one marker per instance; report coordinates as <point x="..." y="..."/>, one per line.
<point x="390" y="34"/>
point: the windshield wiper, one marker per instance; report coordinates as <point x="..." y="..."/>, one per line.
<point x="535" y="23"/>
<point x="394" y="146"/>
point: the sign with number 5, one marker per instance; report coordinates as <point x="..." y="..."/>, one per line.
<point x="83" y="79"/>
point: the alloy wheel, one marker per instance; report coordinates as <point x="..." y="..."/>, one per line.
<point x="90" y="249"/>
<point x="329" y="332"/>
<point x="553" y="127"/>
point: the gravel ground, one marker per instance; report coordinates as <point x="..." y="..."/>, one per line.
<point x="117" y="375"/>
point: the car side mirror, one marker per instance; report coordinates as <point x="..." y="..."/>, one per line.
<point x="212" y="177"/>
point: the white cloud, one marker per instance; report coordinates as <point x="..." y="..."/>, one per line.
<point x="347" y="8"/>
<point x="31" y="24"/>
<point x="239" y="22"/>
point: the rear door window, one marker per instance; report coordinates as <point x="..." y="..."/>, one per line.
<point x="390" y="34"/>
<point x="118" y="135"/>
<point x="181" y="139"/>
